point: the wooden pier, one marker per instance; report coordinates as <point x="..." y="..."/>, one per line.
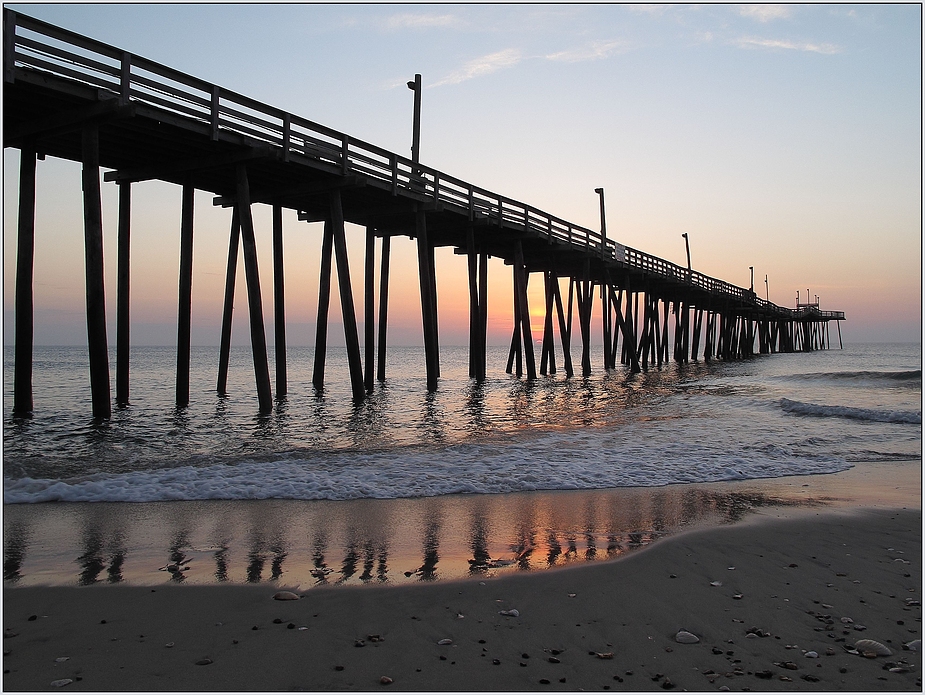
<point x="72" y="97"/>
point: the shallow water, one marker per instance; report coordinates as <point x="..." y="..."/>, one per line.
<point x="770" y="416"/>
<point x="408" y="486"/>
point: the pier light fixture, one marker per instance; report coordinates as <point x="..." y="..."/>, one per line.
<point x="687" y="246"/>
<point x="600" y="192"/>
<point x="767" y="291"/>
<point x="751" y="270"/>
<point x="415" y="86"/>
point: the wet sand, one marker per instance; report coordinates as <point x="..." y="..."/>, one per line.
<point x="816" y="581"/>
<point x="404" y="541"/>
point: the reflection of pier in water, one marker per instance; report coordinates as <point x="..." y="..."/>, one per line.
<point x="357" y="542"/>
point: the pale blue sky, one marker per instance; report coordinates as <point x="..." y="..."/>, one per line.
<point x="783" y="137"/>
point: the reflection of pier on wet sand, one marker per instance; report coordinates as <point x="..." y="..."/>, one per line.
<point x="599" y="626"/>
<point x="382" y="541"/>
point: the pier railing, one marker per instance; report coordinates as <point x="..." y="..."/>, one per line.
<point x="34" y="46"/>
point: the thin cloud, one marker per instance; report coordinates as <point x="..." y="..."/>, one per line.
<point x="420" y="21"/>
<point x="592" y="51"/>
<point x="764" y="13"/>
<point x="482" y="66"/>
<point x="824" y="48"/>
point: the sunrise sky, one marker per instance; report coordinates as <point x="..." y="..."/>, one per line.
<point x="783" y="137"/>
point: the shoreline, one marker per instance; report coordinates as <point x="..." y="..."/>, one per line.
<point x="401" y="541"/>
<point x="812" y="582"/>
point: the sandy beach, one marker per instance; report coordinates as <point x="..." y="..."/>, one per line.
<point x="773" y="601"/>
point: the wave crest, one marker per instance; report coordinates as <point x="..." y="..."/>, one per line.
<point x="869" y="414"/>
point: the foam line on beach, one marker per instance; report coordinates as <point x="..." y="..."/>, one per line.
<point x="559" y="461"/>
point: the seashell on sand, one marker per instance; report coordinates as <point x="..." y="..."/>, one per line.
<point x="872" y="648"/>
<point x="385" y="680"/>
<point x="61" y="682"/>
<point x="286" y="596"/>
<point x="445" y="642"/>
<point x="913" y="646"/>
<point x="513" y="613"/>
<point x="685" y="637"/>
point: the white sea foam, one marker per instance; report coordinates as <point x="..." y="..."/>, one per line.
<point x="873" y="415"/>
<point x="586" y="460"/>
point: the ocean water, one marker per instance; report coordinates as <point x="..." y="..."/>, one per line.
<point x="766" y="417"/>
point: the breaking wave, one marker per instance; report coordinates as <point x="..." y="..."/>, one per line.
<point x="869" y="414"/>
<point x="911" y="377"/>
<point x="552" y="462"/>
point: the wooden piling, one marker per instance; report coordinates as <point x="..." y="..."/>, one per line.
<point x="383" y="306"/>
<point x="428" y="300"/>
<point x="96" y="298"/>
<point x="666" y="310"/>
<point x="483" y="315"/>
<point x="616" y="302"/>
<point x="432" y="266"/>
<point x="605" y="324"/>
<point x="354" y="360"/>
<point x="122" y="293"/>
<point x="324" y="301"/>
<point x="279" y="303"/>
<point x="254" y="300"/>
<point x="585" y="299"/>
<point x="184" y="310"/>
<point x="629" y="330"/>
<point x="228" y="308"/>
<point x="565" y="338"/>
<point x="515" y="356"/>
<point x="547" y="358"/>
<point x="25" y="265"/>
<point x="642" y="350"/>
<point x="474" y="313"/>
<point x="698" y="322"/>
<point x="520" y="283"/>
<point x="369" y="310"/>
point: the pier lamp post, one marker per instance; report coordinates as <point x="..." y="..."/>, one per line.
<point x="415" y="86"/>
<point x="600" y="192"/>
<point x="687" y="247"/>
<point x="751" y="286"/>
<point x="767" y="290"/>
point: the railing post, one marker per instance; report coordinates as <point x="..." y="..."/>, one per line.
<point x="287" y="135"/>
<point x="344" y="163"/>
<point x="471" y="204"/>
<point x="9" y="45"/>
<point x="213" y="113"/>
<point x="436" y="188"/>
<point x="125" y="83"/>
<point x="393" y="164"/>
